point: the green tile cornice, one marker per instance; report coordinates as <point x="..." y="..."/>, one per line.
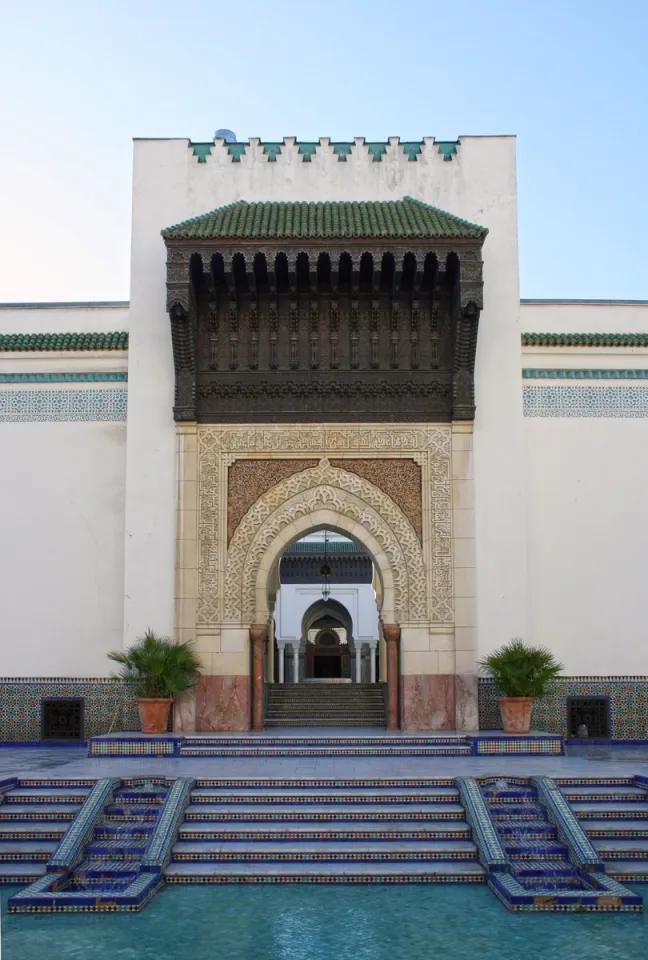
<point x="387" y="219"/>
<point x="37" y="342"/>
<point x="585" y="339"/>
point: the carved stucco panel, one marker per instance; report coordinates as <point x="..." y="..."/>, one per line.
<point x="218" y="447"/>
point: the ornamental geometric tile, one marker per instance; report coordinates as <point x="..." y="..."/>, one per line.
<point x="582" y="401"/>
<point x="91" y="404"/>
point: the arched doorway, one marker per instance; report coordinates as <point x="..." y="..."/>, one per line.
<point x="327" y="656"/>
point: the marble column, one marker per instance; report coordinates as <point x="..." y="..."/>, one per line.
<point x="358" y="662"/>
<point x="281" y="647"/>
<point x="391" y="632"/>
<point x="295" y="648"/>
<point x="257" y="637"/>
<point x="372" y="660"/>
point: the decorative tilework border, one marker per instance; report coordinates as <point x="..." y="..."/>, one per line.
<point x="491" y="852"/>
<point x="70" y="850"/>
<point x="542" y="373"/>
<point x="519" y="746"/>
<point x="613" y="402"/>
<point x="333" y="879"/>
<point x="63" y="377"/>
<point x="37" y="406"/>
<point x="584" y="340"/>
<point x="158" y="851"/>
<point x="581" y="851"/>
<point x="108" y="703"/>
<point x="628" y="705"/>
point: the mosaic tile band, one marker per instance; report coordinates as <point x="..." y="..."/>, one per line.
<point x="106" y="404"/>
<point x="585" y="401"/>
<point x="628" y="705"/>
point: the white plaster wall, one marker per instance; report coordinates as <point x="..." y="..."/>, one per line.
<point x="61" y="559"/>
<point x="560" y="316"/>
<point x="588" y="530"/>
<point x="63" y="318"/>
<point x="479" y="184"/>
<point x="294" y="600"/>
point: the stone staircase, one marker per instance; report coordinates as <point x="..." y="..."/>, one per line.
<point x="325" y="705"/>
<point x="34" y="817"/>
<point x="330" y="831"/>
<point x="614" y="815"/>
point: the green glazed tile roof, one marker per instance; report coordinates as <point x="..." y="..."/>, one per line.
<point x="585" y="339"/>
<point x="10" y="342"/>
<point x="398" y="219"/>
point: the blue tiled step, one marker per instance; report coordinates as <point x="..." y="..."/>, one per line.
<point x="31" y="850"/>
<point x="38" y="811"/>
<point x="324" y="852"/>
<point x="397" y="751"/>
<point x="607" y="810"/>
<point x="523" y="812"/>
<point x="124" y="830"/>
<point x="46" y="795"/>
<point x="622" y="849"/>
<point x="334" y="741"/>
<point x="630" y="870"/>
<point x="344" y="812"/>
<point x="610" y="828"/>
<point x="20" y="872"/>
<point x="143" y="812"/>
<point x="543" y="868"/>
<point x="528" y="828"/>
<point x="322" y="797"/>
<point x="123" y="850"/>
<point x="104" y="867"/>
<point x="386" y="830"/>
<point x="596" y="793"/>
<point x="36" y="830"/>
<point x="434" y="872"/>
<point x="525" y="847"/>
<point x="267" y="784"/>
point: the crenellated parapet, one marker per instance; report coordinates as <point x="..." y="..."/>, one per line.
<point x="358" y="149"/>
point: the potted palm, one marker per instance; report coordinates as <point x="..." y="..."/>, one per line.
<point x="159" y="668"/>
<point x="521" y="673"/>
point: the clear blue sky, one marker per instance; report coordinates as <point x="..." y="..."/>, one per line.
<point x="80" y="79"/>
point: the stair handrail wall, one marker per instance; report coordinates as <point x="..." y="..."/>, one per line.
<point x="581" y="851"/>
<point x="70" y="850"/>
<point x="6" y="785"/>
<point x="492" y="854"/>
<point x="158" y="851"/>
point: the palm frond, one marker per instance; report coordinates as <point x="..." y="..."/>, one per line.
<point x="521" y="670"/>
<point x="157" y="666"/>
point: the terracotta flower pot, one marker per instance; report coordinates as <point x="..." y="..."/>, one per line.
<point x="154" y="714"/>
<point x="516" y="713"/>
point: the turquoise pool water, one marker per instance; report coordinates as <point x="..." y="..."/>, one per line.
<point x="325" y="923"/>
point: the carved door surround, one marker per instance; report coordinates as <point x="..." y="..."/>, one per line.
<point x="416" y="575"/>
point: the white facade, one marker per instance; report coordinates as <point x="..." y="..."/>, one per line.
<point x="551" y="488"/>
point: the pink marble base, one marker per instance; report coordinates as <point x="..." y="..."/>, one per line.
<point x="428" y="702"/>
<point x="439" y="702"/>
<point x="467" y="708"/>
<point x="184" y="712"/>
<point x="223" y="704"/>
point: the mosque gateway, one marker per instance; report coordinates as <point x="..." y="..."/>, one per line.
<point x="325" y="442"/>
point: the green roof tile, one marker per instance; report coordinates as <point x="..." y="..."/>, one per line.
<point x="13" y="342"/>
<point x="393" y="219"/>
<point x="585" y="339"/>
